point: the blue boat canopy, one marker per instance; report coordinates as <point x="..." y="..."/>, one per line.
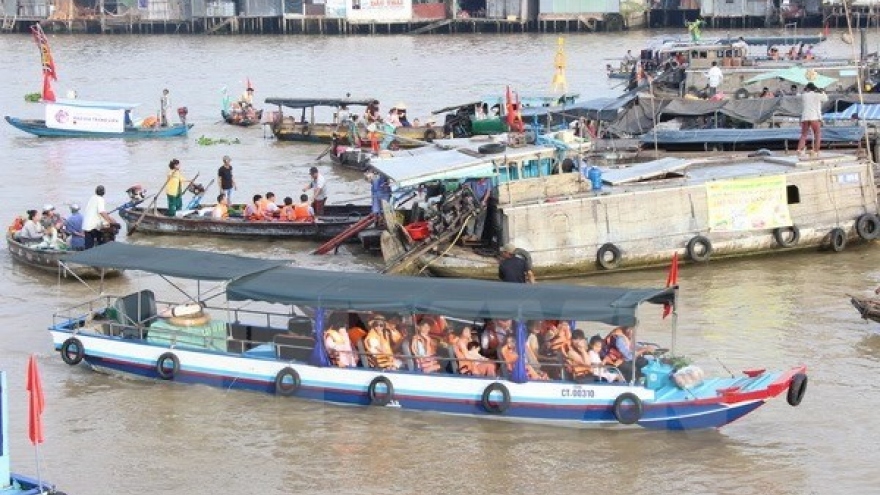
<point x="317" y="102"/>
<point x="182" y="263"/>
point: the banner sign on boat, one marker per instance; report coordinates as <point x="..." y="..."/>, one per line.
<point x="380" y="10"/>
<point x="85" y="118"/>
<point x="748" y="204"/>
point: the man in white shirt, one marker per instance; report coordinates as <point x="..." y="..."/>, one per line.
<point x="811" y="118"/>
<point x="743" y="46"/>
<point x="715" y="78"/>
<point x="95" y="218"/>
<point x="318" y="185"/>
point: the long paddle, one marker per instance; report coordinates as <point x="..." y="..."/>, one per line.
<point x="134" y="227"/>
<point x="324" y="153"/>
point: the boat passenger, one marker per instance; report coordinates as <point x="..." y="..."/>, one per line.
<point x="401" y="115"/>
<point x="595" y="349"/>
<point x="377" y="344"/>
<point x="338" y="344"/>
<point x="792" y="53"/>
<point x="303" y="211"/>
<point x="742" y="46"/>
<point x="95" y="218"/>
<point x="808" y="55"/>
<point x="221" y="210"/>
<point x="343" y="115"/>
<point x="479" y="364"/>
<point x="493" y="337"/>
<point x="174" y="187"/>
<point x="225" y="178"/>
<point x="254" y="211"/>
<point x="318" y="185"/>
<point x="621" y="353"/>
<point x="533" y="342"/>
<point x="73" y="227"/>
<point x="356" y="333"/>
<point x="510" y="356"/>
<point x="165" y="108"/>
<point x="765" y="93"/>
<point x="270" y="208"/>
<point x="246" y="100"/>
<point x="393" y="119"/>
<point x="371" y="114"/>
<point x="424" y="349"/>
<point x="577" y="359"/>
<point x="51" y="223"/>
<point x="32" y="231"/>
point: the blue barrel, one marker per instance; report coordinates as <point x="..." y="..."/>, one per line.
<point x="595" y="176"/>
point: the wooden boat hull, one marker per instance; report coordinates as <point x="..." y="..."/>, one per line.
<point x="868" y="308"/>
<point x="288" y="129"/>
<point x="47" y="260"/>
<point x="38" y="128"/>
<point x="337" y="218"/>
<point x="240" y="121"/>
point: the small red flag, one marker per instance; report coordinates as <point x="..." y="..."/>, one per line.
<point x="48" y="94"/>
<point x="35" y="403"/>
<point x="671" y="280"/>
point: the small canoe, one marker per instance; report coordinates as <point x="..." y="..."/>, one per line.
<point x="868" y="308"/>
<point x="336" y="219"/>
<point x="240" y="119"/>
<point x="47" y="260"/>
<point x="39" y="128"/>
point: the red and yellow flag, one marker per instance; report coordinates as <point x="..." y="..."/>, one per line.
<point x="36" y="402"/>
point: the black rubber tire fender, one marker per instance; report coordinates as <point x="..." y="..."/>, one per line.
<point x="285" y="375"/>
<point x="491" y="148"/>
<point x="787" y="236"/>
<point x="699" y="248"/>
<point x="796" y="389"/>
<point x="430" y="135"/>
<point x="741" y="94"/>
<point x="380" y="399"/>
<point x="496" y="407"/>
<point x="868" y="226"/>
<point x="837" y="240"/>
<point x="306" y="130"/>
<point x="627" y="416"/>
<point x="603" y="261"/>
<point x="78" y="351"/>
<point x="162" y="366"/>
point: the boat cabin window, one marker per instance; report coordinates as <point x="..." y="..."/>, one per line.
<point x="793" y="195"/>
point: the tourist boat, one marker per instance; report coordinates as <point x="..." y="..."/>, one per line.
<point x="604" y="220"/>
<point x="282" y="352"/>
<point x="544" y="111"/>
<point x="12" y="483"/>
<point x="52" y="260"/>
<point x="336" y="219"/>
<point x="869" y="308"/>
<point x="94" y="119"/>
<point x="239" y="119"/>
<point x="309" y="127"/>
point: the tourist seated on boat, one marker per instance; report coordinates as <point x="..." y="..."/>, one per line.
<point x="31" y="231"/>
<point x="424" y="349"/>
<point x="356" y="332"/>
<point x="808" y="55"/>
<point x="393" y="118"/>
<point x="533" y="341"/>
<point x="621" y="353"/>
<point x="401" y="115"/>
<point x="509" y="356"/>
<point x="302" y="211"/>
<point x="51" y="222"/>
<point x="766" y="93"/>
<point x="467" y="352"/>
<point x="577" y="359"/>
<point x="377" y="345"/>
<point x="338" y="343"/>
<point x="221" y="209"/>
<point x="437" y="323"/>
<point x="371" y="114"/>
<point x="270" y="208"/>
<point x="594" y="354"/>
<point x="254" y="211"/>
<point x="493" y="337"/>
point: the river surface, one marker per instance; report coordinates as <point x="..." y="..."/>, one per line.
<point x="111" y="435"/>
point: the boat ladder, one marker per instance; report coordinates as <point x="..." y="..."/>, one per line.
<point x="8" y="23"/>
<point x="348" y="233"/>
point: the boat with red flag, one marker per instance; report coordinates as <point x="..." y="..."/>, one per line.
<point x="309" y="340"/>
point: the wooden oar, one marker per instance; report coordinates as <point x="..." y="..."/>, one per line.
<point x="134" y="227"/>
<point x="324" y="152"/>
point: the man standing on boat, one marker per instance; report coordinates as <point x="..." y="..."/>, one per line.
<point x="164" y="108"/>
<point x="73" y="226"/>
<point x="715" y="77"/>
<point x="513" y="268"/>
<point x="174" y="188"/>
<point x="224" y="177"/>
<point x="811" y="118"/>
<point x="95" y="218"/>
<point x="319" y="190"/>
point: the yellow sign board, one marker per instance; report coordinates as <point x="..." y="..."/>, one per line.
<point x="756" y="203"/>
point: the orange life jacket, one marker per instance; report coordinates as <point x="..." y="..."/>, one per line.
<point x="17" y="225"/>
<point x="224" y="210"/>
<point x="576" y="368"/>
<point x="286" y="214"/>
<point x="301" y="213"/>
<point x="384" y="358"/>
<point x="427" y="364"/>
<point x="253" y="213"/>
<point x="612" y="354"/>
<point x="333" y="354"/>
<point x="465" y="365"/>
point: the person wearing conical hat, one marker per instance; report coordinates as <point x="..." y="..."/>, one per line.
<point x="401" y="115"/>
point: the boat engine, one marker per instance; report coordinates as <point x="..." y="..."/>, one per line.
<point x="196" y="189"/>
<point x="136" y="193"/>
<point x="182" y="112"/>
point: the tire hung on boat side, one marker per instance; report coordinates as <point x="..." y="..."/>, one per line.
<point x="430" y="135"/>
<point x="287" y="381"/>
<point x="72" y="351"/>
<point x="378" y="398"/>
<point x="494" y="407"/>
<point x="699" y="248"/>
<point x="787" y="236"/>
<point x="741" y="94"/>
<point x="868" y="226"/>
<point x="837" y="240"/>
<point x="167" y="366"/>
<point x="628" y="408"/>
<point x="608" y="256"/>
<point x="796" y="389"/>
<point x="491" y="148"/>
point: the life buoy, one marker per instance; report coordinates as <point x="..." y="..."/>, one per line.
<point x="837" y="240"/>
<point x="787" y="236"/>
<point x="868" y="226"/>
<point x="430" y="135"/>
<point x="699" y="248"/>
<point x="379" y="398"/>
<point x="75" y="355"/>
<point x="796" y="389"/>
<point x="491" y="148"/>
<point x="741" y="94"/>
<point x="628" y="408"/>
<point x="602" y="258"/>
<point x="287" y="381"/>
<point x="496" y="407"/>
<point x="162" y="368"/>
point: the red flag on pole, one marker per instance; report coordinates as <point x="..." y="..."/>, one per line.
<point x="36" y="402"/>
<point x="671" y="280"/>
<point x="48" y="94"/>
<point x="510" y="113"/>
